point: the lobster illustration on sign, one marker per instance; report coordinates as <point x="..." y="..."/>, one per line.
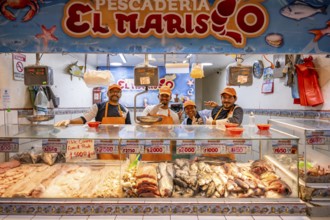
<point x="19" y="4"/>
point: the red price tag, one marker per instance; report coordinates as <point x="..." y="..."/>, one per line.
<point x="155" y="150"/>
<point x="186" y="150"/>
<point x="282" y="150"/>
<point x="209" y="150"/>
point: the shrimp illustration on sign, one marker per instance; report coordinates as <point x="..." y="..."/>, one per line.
<point x="19" y="4"/>
<point x="47" y="35"/>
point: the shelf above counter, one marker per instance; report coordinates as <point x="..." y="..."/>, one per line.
<point x="137" y="132"/>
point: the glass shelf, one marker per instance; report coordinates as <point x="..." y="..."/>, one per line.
<point x="140" y="132"/>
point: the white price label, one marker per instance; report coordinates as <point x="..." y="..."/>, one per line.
<point x="106" y="149"/>
<point x="154" y="149"/>
<point x="186" y="149"/>
<point x="54" y="146"/>
<point x="9" y="145"/>
<point x="130" y="149"/>
<point x="282" y="150"/>
<point x="316" y="140"/>
<point x="237" y="149"/>
<point x="51" y="149"/>
<point x="213" y="149"/>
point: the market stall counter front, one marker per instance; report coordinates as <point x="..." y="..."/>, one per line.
<point x="212" y="171"/>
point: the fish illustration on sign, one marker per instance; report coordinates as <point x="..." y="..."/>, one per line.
<point x="319" y="33"/>
<point x="300" y="10"/>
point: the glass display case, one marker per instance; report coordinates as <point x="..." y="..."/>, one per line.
<point x="163" y="169"/>
<point x="314" y="158"/>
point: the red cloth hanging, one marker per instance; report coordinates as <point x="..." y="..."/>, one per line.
<point x="309" y="89"/>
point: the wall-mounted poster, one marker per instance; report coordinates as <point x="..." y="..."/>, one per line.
<point x="183" y="87"/>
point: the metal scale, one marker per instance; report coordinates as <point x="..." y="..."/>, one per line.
<point x="145" y="75"/>
<point x="38" y="75"/>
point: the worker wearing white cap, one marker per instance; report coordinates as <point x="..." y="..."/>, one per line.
<point x="109" y="112"/>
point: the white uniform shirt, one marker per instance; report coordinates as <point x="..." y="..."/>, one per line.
<point x="162" y="111"/>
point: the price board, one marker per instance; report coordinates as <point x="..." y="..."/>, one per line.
<point x="187" y="146"/>
<point x="131" y="146"/>
<point x="80" y="149"/>
<point x="238" y="146"/>
<point x="9" y="145"/>
<point x="54" y="145"/>
<point x="157" y="147"/>
<point x="317" y="137"/>
<point x="284" y="146"/>
<point x="213" y="147"/>
<point x="106" y="146"/>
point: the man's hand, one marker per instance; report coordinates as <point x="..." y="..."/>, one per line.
<point x="194" y="121"/>
<point x="209" y="120"/>
<point x="211" y="104"/>
<point x="62" y="123"/>
<point x="155" y="109"/>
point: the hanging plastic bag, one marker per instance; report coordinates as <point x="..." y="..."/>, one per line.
<point x="97" y="78"/>
<point x="41" y="99"/>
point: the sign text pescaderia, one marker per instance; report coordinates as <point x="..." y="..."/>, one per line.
<point x="229" y="20"/>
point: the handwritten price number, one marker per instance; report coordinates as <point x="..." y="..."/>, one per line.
<point x="104" y="149"/>
<point x="81" y="154"/>
<point x="316" y="140"/>
<point x="187" y="150"/>
<point x="282" y="150"/>
<point x="155" y="149"/>
<point x="7" y="147"/>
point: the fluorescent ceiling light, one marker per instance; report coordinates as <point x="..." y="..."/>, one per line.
<point x="207" y="64"/>
<point x="122" y="57"/>
<point x="116" y="64"/>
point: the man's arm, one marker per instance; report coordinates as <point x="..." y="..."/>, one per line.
<point x="91" y="114"/>
<point x="237" y="116"/>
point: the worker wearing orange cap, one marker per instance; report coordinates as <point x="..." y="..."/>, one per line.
<point x="109" y="112"/>
<point x="168" y="117"/>
<point x="162" y="109"/>
<point x="194" y="117"/>
<point x="228" y="112"/>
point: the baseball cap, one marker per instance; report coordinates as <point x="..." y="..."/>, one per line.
<point x="229" y="91"/>
<point x="114" y="86"/>
<point x="189" y="102"/>
<point x="165" y="90"/>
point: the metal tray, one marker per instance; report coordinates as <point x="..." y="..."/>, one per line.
<point x="149" y="119"/>
<point x="39" y="118"/>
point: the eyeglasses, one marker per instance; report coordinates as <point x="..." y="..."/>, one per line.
<point x="115" y="92"/>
